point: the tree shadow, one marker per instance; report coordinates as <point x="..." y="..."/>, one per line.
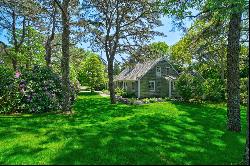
<point x="124" y="136"/>
<point x="101" y="133"/>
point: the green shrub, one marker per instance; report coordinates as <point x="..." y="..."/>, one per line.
<point x="105" y="91"/>
<point x="100" y="87"/>
<point x="10" y="96"/>
<point x="214" y="89"/>
<point x="75" y="84"/>
<point x="243" y="90"/>
<point x="129" y="95"/>
<point x="123" y="93"/>
<point x="145" y="100"/>
<point x="152" y="100"/>
<point x="75" y="89"/>
<point x="92" y="73"/>
<point x="6" y="79"/>
<point x="120" y="92"/>
<point x="184" y="86"/>
<point x="166" y="99"/>
<point x="132" y="100"/>
<point x="43" y="90"/>
<point x="34" y="91"/>
<point x="197" y="89"/>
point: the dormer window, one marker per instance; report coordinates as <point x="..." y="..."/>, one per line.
<point x="158" y="71"/>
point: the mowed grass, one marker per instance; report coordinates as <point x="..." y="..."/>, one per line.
<point x="100" y="133"/>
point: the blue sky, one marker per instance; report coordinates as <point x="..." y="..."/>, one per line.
<point x="171" y="36"/>
<point x="2" y="36"/>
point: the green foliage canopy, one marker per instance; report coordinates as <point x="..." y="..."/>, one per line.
<point x="92" y="73"/>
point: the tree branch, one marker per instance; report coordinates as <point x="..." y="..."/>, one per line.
<point x="23" y="34"/>
<point x="60" y="6"/>
<point x="137" y="18"/>
<point x="4" y="47"/>
<point x="14" y="28"/>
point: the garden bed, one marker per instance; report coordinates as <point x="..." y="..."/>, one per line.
<point x="136" y="101"/>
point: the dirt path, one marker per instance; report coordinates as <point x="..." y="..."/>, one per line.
<point x="100" y="93"/>
<point x="104" y="95"/>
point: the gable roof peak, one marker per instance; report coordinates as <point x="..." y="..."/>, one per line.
<point x="136" y="72"/>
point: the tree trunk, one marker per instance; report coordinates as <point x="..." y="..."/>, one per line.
<point x="111" y="81"/>
<point x="16" y="44"/>
<point x="14" y="64"/>
<point x="14" y="61"/>
<point x="48" y="46"/>
<point x="29" y="56"/>
<point x="48" y="52"/>
<point x="65" y="57"/>
<point x="233" y="79"/>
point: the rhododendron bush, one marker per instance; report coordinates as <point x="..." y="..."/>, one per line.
<point x="30" y="91"/>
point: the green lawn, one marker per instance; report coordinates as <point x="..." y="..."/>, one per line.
<point x="100" y="133"/>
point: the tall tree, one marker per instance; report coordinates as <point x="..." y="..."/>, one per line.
<point x="15" y="16"/>
<point x="118" y="26"/>
<point x="117" y="67"/>
<point x="150" y="51"/>
<point x="233" y="74"/>
<point x="180" y="54"/>
<point x="32" y="50"/>
<point x="12" y="16"/>
<point x="226" y="10"/>
<point x="51" y="34"/>
<point x="47" y="19"/>
<point x="65" y="53"/>
<point x="203" y="50"/>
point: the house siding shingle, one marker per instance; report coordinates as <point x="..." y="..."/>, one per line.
<point x="161" y="83"/>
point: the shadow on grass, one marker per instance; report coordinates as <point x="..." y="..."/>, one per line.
<point x="101" y="133"/>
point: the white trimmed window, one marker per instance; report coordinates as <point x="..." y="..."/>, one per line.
<point x="167" y="70"/>
<point x="151" y="86"/>
<point x="158" y="71"/>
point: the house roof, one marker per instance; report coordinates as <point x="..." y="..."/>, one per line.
<point x="138" y="71"/>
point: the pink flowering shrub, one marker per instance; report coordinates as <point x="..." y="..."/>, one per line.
<point x="17" y="75"/>
<point x="31" y="91"/>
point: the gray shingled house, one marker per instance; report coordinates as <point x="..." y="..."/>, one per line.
<point x="150" y="79"/>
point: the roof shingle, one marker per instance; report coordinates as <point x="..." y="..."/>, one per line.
<point x="137" y="72"/>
